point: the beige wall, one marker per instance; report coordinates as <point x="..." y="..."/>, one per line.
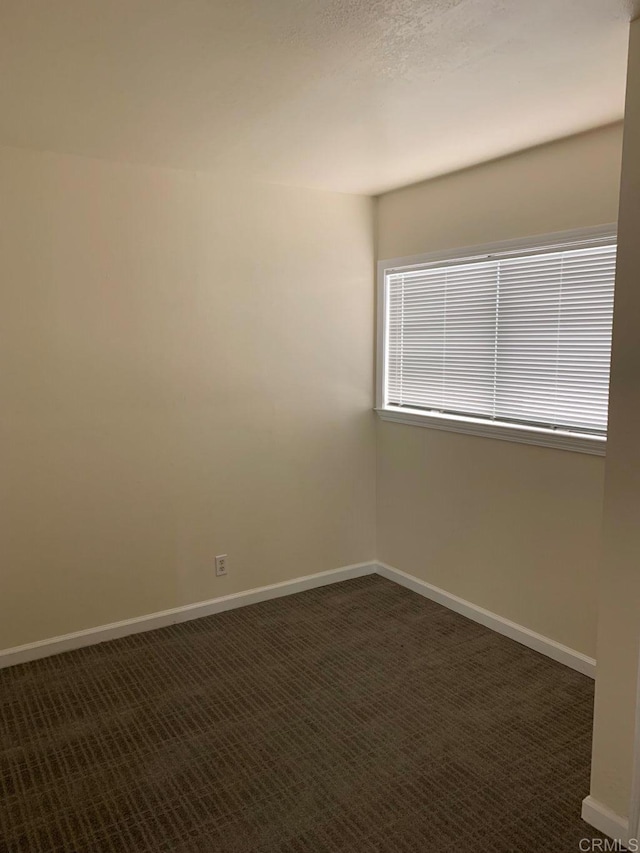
<point x="186" y="371"/>
<point x="619" y="613"/>
<point x="512" y="528"/>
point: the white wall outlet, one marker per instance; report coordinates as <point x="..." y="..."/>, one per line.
<point x="222" y="565"/>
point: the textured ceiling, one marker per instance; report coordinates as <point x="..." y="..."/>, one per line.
<point x="349" y="95"/>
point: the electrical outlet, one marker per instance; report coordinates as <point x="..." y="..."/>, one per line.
<point x="222" y="565"/>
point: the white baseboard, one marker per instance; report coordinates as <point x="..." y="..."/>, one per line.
<point x="91" y="636"/>
<point x="603" y="819"/>
<point x="538" y="642"/>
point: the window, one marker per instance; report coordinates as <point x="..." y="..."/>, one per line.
<point x="512" y="341"/>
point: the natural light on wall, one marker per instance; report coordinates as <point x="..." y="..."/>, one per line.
<point x="512" y="341"/>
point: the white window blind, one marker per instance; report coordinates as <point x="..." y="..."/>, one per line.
<point x="522" y="338"/>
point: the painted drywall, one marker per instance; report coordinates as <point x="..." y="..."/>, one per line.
<point x="510" y="527"/>
<point x="187" y="371"/>
<point x="619" y="582"/>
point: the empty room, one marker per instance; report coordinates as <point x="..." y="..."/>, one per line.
<point x="319" y="426"/>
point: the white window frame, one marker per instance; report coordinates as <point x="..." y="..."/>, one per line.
<point x="523" y="434"/>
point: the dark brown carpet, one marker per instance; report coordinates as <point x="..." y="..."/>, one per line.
<point x="356" y="717"/>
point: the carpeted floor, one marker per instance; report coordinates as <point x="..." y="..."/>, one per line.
<point x="357" y="717"/>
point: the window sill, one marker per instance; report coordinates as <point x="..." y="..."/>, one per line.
<point x="594" y="445"/>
